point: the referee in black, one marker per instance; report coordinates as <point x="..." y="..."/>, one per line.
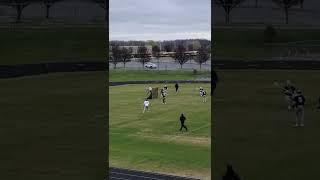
<point x="177" y="87"/>
<point x="182" y="120"/>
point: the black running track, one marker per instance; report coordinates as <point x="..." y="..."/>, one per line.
<point x="126" y="174"/>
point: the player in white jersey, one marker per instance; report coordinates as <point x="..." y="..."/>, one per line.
<point x="146" y="104"/>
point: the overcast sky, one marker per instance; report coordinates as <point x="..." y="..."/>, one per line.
<point x="159" y="19"/>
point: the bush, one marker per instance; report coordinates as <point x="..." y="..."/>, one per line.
<point x="269" y="33"/>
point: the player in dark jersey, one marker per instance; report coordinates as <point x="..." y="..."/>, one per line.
<point x="299" y="101"/>
<point x="319" y="103"/>
<point x="177" y="87"/>
<point x="163" y="96"/>
<point x="182" y="120"/>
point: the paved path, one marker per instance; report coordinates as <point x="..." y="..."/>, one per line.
<point x="126" y="174"/>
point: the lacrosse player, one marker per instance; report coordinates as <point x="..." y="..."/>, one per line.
<point x="203" y="94"/>
<point x="299" y="101"/>
<point x="150" y="93"/>
<point x="146" y="104"/>
<point x="163" y="96"/>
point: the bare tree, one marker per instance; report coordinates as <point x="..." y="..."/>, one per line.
<point x="48" y="4"/>
<point x="286" y="5"/>
<point x="180" y="55"/>
<point x="125" y="56"/>
<point x="228" y="5"/>
<point x="116" y="55"/>
<point x="202" y="56"/>
<point x="156" y="53"/>
<point x="19" y="5"/>
<point x="143" y="55"/>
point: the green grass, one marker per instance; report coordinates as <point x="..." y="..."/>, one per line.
<point x="254" y="130"/>
<point x="249" y="44"/>
<point x="56" y="44"/>
<point x="52" y="127"/>
<point x="140" y="75"/>
<point x="152" y="141"/>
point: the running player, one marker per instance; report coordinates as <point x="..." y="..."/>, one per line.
<point x="182" y="120"/>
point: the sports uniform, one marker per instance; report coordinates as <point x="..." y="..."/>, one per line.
<point x="146" y="104"/>
<point x="163" y="96"/>
<point x="203" y="94"/>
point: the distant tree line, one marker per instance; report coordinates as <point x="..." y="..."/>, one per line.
<point x="285" y="5"/>
<point x="167" y="45"/>
<point x="20" y="5"/>
<point x="120" y="54"/>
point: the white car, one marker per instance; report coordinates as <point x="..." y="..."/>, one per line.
<point x="150" y="65"/>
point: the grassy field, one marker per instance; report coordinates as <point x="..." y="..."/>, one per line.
<point x="56" y="44"/>
<point x="131" y="75"/>
<point x="249" y="44"/>
<point x="53" y="127"/>
<point x="254" y="131"/>
<point x="152" y="141"/>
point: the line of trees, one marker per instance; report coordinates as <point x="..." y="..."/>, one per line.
<point x="123" y="55"/>
<point x="168" y="45"/>
<point x="20" y="5"/>
<point x="285" y="5"/>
